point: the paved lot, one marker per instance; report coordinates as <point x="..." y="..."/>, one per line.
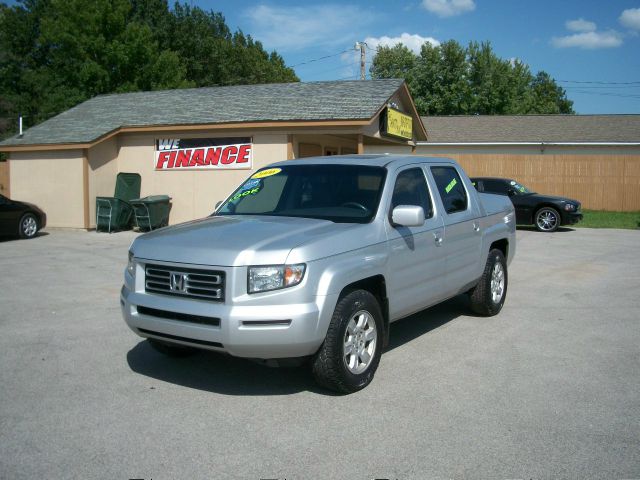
<point x="549" y="388"/>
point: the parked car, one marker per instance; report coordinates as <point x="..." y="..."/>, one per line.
<point x="20" y="218"/>
<point x="313" y="259"/>
<point x="546" y="212"/>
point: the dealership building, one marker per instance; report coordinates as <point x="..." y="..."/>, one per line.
<point x="196" y="145"/>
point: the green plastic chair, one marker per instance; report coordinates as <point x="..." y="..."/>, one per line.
<point x="114" y="213"/>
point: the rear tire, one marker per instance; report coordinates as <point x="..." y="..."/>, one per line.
<point x="28" y="226"/>
<point x="350" y="354"/>
<point x="488" y="296"/>
<point x="170" y="350"/>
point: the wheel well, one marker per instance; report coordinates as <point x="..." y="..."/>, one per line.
<point x="377" y="286"/>
<point x="502" y="245"/>
<point x="546" y="205"/>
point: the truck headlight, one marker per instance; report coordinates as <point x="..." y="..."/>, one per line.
<point x="274" y="277"/>
<point x="131" y="265"/>
<point x="509" y="217"/>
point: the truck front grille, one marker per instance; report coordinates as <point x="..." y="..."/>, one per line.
<point x="185" y="282"/>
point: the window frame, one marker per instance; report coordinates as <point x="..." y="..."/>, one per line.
<point x="460" y="181"/>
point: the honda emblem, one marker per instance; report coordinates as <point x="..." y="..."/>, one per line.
<point x="178" y="282"/>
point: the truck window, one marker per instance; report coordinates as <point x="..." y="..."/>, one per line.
<point x="451" y="190"/>
<point x="411" y="189"/>
<point x="339" y="193"/>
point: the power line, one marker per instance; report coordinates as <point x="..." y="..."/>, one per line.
<point x="612" y="87"/>
<point x="599" y="83"/>
<point x="607" y="94"/>
<point x="318" y="59"/>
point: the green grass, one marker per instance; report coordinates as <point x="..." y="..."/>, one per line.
<point x="601" y="219"/>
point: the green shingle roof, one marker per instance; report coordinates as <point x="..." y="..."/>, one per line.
<point x="337" y="100"/>
<point x="532" y="128"/>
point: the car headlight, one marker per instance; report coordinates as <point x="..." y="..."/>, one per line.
<point x="569" y="207"/>
<point x="131" y="265"/>
<point x="274" y="277"/>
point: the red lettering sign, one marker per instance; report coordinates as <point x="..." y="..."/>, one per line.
<point x="203" y="154"/>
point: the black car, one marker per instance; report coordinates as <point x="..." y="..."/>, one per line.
<point x="20" y="218"/>
<point x="547" y="213"/>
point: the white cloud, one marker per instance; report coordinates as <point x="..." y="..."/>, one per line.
<point x="412" y="42"/>
<point x="631" y="18"/>
<point x="297" y="28"/>
<point x="589" y="40"/>
<point x="449" y="8"/>
<point x="580" y="25"/>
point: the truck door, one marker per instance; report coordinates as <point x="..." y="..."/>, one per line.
<point x="462" y="242"/>
<point x="416" y="263"/>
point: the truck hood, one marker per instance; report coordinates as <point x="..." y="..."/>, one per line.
<point x="232" y="240"/>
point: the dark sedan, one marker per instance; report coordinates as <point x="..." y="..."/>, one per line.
<point x="20" y="218"/>
<point x="547" y="213"/>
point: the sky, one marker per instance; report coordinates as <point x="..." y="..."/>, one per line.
<point x="592" y="48"/>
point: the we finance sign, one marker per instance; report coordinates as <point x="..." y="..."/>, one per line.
<point x="203" y="153"/>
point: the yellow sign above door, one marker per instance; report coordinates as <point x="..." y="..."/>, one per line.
<point x="397" y="124"/>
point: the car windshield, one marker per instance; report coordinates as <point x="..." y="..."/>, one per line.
<point x="519" y="189"/>
<point x="339" y="193"/>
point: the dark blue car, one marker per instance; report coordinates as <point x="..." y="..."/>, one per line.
<point x="546" y="212"/>
<point x="20" y="218"/>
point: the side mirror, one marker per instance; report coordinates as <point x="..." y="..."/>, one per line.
<point x="408" y="216"/>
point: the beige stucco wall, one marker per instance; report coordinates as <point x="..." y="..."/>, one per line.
<point x="333" y="142"/>
<point x="397" y="149"/>
<point x="103" y="169"/>
<point x="194" y="193"/>
<point x="53" y="181"/>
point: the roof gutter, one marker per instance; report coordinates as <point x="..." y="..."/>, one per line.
<point x="534" y="144"/>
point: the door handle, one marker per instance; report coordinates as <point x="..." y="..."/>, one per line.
<point x="438" y="239"/>
<point x="476" y="227"/>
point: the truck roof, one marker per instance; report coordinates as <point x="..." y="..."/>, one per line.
<point x="377" y="160"/>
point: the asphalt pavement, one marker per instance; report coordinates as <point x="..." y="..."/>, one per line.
<point x="549" y="388"/>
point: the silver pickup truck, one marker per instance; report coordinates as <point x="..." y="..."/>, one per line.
<point x="314" y="259"/>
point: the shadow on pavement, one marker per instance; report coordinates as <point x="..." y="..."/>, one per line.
<point x="219" y="373"/>
<point x="9" y="238"/>
<point x="226" y="375"/>
<point x="529" y="228"/>
<point x="408" y="329"/>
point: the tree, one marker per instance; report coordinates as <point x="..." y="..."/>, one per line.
<point x="449" y="79"/>
<point x="55" y="54"/>
<point x="439" y="80"/>
<point x="393" y="62"/>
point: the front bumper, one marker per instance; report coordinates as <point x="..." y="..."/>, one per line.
<point x="285" y="330"/>
<point x="571" y="218"/>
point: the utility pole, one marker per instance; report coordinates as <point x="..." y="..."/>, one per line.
<point x="361" y="46"/>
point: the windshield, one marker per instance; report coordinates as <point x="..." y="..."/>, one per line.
<point x="519" y="189"/>
<point x="339" y="193"/>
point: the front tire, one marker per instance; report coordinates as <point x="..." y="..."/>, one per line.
<point x="487" y="298"/>
<point x="170" y="350"/>
<point x="28" y="226"/>
<point x="350" y="354"/>
<point x="547" y="219"/>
